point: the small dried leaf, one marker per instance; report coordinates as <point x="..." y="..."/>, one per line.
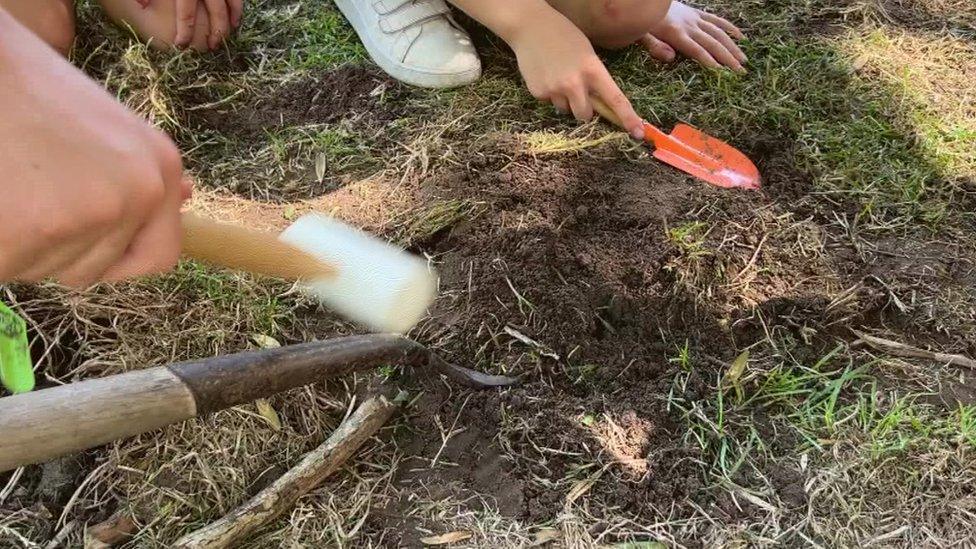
<point x="378" y="90"/>
<point x="444" y="539"/>
<point x="116" y="529"/>
<point x="734" y="376"/>
<point x="588" y="420"/>
<point x="265" y="342"/>
<point x="290" y="213"/>
<point x="738" y="368"/>
<point x="268" y="413"/>
<point x="320" y="163"/>
<point x="579" y="489"/>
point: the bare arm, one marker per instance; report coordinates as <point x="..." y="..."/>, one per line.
<point x="507" y="18"/>
<point x="556" y="59"/>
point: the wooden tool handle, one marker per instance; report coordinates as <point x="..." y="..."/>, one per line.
<point x="42" y="425"/>
<point x="243" y="249"/>
<point x="606" y="112"/>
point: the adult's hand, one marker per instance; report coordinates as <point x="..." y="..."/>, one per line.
<point x="90" y="191"/>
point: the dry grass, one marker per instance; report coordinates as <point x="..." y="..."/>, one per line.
<point x="931" y="74"/>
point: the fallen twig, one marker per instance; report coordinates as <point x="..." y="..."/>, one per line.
<point x="752" y="260"/>
<point x="61" y="537"/>
<point x="900" y="349"/>
<point x="309" y="473"/>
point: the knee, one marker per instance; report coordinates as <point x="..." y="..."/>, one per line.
<point x="619" y="23"/>
<point x="54" y="23"/>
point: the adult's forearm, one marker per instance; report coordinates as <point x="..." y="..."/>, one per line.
<point x="508" y="19"/>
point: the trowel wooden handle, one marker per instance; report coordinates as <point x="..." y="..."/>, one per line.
<point x="243" y="249"/>
<point x="605" y="111"/>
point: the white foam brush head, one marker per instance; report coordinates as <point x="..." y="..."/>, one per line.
<point x="382" y="286"/>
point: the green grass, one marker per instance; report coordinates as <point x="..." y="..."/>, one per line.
<point x="831" y="405"/>
<point x="689" y="238"/>
<point x="227" y="294"/>
<point x="802" y="94"/>
<point x="327" y="40"/>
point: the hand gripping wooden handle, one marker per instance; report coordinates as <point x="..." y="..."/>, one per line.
<point x="606" y="112"/>
<point x="243" y="249"/>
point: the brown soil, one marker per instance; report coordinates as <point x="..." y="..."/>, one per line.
<point x="349" y="101"/>
<point x="582" y="276"/>
<point x="354" y="94"/>
<point x="580" y="255"/>
<point x="584" y="242"/>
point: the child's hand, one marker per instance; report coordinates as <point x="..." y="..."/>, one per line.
<point x="697" y="34"/>
<point x="559" y="66"/>
<point x="221" y="15"/>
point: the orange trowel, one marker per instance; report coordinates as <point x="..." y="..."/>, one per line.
<point x="695" y="153"/>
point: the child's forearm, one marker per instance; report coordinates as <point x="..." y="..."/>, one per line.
<point x="508" y="18"/>
<point x="555" y="58"/>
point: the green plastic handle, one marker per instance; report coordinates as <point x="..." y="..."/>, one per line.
<point x="16" y="370"/>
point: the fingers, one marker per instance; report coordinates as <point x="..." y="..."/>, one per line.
<point x="658" y="49"/>
<point x="186" y="189"/>
<point x="688" y="46"/>
<point x="219" y="22"/>
<point x="579" y="103"/>
<point x="186" y="18"/>
<point x="717" y="50"/>
<point x="54" y="263"/>
<point x="155" y="246"/>
<point x="724" y="24"/>
<point x="606" y="89"/>
<point x="91" y="266"/>
<point x="560" y="103"/>
<point x="236" y="10"/>
<point x="724" y="39"/>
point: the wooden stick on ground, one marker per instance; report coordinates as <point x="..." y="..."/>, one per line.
<point x="282" y="494"/>
<point x="900" y="349"/>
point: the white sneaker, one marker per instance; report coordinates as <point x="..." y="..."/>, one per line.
<point x="414" y="41"/>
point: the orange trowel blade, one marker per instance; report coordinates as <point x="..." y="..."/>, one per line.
<point x="703" y="156"/>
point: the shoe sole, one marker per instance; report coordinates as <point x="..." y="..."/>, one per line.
<point x="393" y="67"/>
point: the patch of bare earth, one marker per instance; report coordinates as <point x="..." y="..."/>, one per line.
<point x="583" y="275"/>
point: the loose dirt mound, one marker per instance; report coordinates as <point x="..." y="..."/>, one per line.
<point x="565" y="279"/>
<point x="585" y="276"/>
